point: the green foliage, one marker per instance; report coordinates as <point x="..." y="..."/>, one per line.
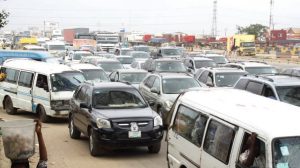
<point x="255" y="29"/>
<point x="3" y="18"/>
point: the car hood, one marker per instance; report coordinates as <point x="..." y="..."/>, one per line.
<point x="170" y="97"/>
<point x="124" y="113"/>
<point x="62" y="95"/>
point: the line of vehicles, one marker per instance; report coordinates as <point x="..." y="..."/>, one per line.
<point x="203" y="102"/>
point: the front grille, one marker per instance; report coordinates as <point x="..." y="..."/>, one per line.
<point x="125" y="124"/>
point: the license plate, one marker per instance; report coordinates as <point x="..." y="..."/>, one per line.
<point x="134" y="134"/>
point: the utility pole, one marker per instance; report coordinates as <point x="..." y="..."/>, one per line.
<point x="44" y="28"/>
<point x="271" y="19"/>
<point x="214" y="19"/>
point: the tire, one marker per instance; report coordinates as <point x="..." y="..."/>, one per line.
<point x="73" y="131"/>
<point x="9" y="107"/>
<point x="154" y="148"/>
<point x="42" y="114"/>
<point x="95" y="149"/>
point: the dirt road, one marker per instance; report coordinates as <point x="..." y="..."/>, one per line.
<point x="64" y="152"/>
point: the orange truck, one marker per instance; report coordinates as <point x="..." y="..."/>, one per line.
<point x="77" y="43"/>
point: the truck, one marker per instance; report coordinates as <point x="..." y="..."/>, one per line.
<point x="243" y="44"/>
<point x="69" y="34"/>
<point x="107" y="41"/>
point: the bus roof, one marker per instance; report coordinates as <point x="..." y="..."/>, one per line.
<point x="36" y="66"/>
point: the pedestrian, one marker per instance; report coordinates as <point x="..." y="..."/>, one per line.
<point x="42" y="150"/>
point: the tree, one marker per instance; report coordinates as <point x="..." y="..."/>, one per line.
<point x="3" y="18"/>
<point x="256" y="29"/>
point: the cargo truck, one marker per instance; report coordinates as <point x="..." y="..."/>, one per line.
<point x="242" y="44"/>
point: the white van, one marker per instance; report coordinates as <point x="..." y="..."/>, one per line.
<point x="91" y="72"/>
<point x="210" y="128"/>
<point x="38" y="87"/>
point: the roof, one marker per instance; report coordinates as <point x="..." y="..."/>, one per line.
<point x="294" y="30"/>
<point x="55" y="43"/>
<point x="201" y="59"/>
<point x="111" y="85"/>
<point x="107" y="60"/>
<point x="24" y="54"/>
<point x="224" y="69"/>
<point x="250" y="64"/>
<point x="83" y="66"/>
<point x="279" y="80"/>
<point x="124" y="56"/>
<point x="36" y="66"/>
<point x="174" y="75"/>
<point x="132" y="71"/>
<point x="267" y="117"/>
<point x="167" y="60"/>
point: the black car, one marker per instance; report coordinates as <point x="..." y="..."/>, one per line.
<point x="114" y="115"/>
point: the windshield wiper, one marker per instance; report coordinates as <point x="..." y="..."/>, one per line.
<point x="76" y="79"/>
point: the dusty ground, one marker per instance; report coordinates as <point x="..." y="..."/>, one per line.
<point x="64" y="152"/>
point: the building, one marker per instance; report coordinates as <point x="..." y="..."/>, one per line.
<point x="277" y="35"/>
<point x="293" y="34"/>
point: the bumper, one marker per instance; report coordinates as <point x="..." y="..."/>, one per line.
<point x="109" y="138"/>
<point x="57" y="113"/>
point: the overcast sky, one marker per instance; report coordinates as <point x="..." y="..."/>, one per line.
<point x="152" y="16"/>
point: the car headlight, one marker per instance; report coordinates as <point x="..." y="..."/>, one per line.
<point x="103" y="123"/>
<point x="158" y="121"/>
<point x="168" y="104"/>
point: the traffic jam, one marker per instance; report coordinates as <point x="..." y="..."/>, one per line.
<point x="211" y="104"/>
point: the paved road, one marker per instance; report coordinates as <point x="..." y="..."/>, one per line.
<point x="64" y="152"/>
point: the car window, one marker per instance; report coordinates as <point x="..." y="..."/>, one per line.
<point x="150" y="81"/>
<point x="218" y="140"/>
<point x="156" y="84"/>
<point x="268" y="92"/>
<point x="258" y="151"/>
<point x="190" y="124"/>
<point x="81" y="94"/>
<point x="11" y="75"/>
<point x="241" y="84"/>
<point x="203" y="77"/>
<point x="42" y="81"/>
<point x="255" y="87"/>
<point x="26" y="79"/>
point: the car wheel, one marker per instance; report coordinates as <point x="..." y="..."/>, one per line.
<point x="95" y="150"/>
<point x="74" y="132"/>
<point x="154" y="148"/>
<point x="9" y="107"/>
<point x="42" y="114"/>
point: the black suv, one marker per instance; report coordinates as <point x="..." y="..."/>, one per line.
<point x="114" y="115"/>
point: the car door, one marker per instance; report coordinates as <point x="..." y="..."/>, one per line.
<point x="85" y="113"/>
<point x="78" y="115"/>
<point x="186" y="135"/>
<point x="24" y="91"/>
<point x="41" y="94"/>
<point x="217" y="145"/>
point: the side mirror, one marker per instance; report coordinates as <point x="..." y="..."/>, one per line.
<point x="83" y="105"/>
<point x="112" y="79"/>
<point x="210" y="84"/>
<point x="154" y="90"/>
<point x="151" y="103"/>
<point x="189" y="70"/>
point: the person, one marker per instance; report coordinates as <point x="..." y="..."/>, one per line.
<point x="42" y="150"/>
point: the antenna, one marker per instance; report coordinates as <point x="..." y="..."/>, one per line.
<point x="271" y="21"/>
<point x="214" y="21"/>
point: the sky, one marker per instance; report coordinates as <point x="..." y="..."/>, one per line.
<point x="151" y="16"/>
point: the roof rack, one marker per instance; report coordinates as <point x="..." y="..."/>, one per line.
<point x="264" y="77"/>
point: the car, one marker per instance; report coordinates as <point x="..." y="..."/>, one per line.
<point x="140" y="55"/>
<point x="75" y="56"/>
<point x="253" y="67"/>
<point x="123" y="51"/>
<point x="219" y="128"/>
<point x="108" y="65"/>
<point x="38" y="87"/>
<point x="220" y="60"/>
<point x="195" y="63"/>
<point x="138" y="64"/>
<point x="163" y="89"/>
<point x="165" y="65"/>
<point x="283" y="88"/>
<point x="219" y="77"/>
<point x="142" y="48"/>
<point x="114" y="115"/>
<point x="88" y="59"/>
<point x="91" y="72"/>
<point x="125" y="60"/>
<point x="132" y="76"/>
<point x="106" y="55"/>
<point x="169" y="52"/>
<point x="33" y="48"/>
